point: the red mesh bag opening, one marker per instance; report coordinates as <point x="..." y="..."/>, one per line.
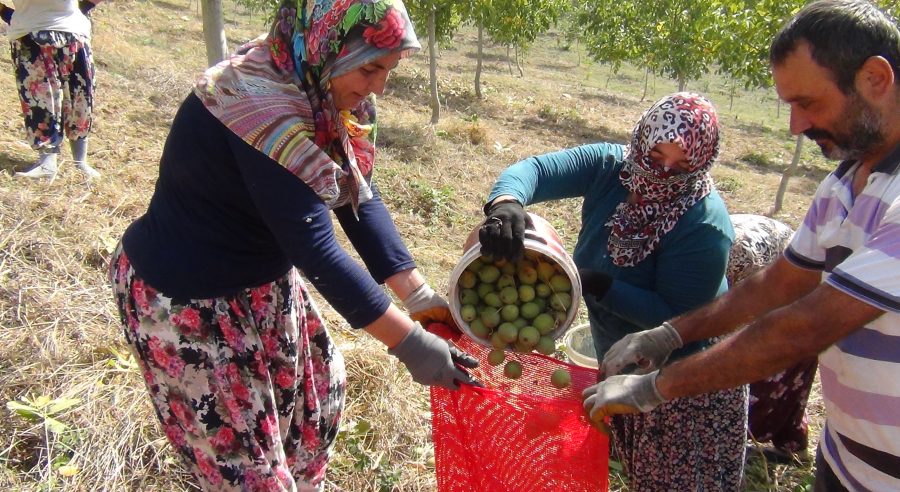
<point x="516" y="434"/>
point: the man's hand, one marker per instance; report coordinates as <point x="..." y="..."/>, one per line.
<point x="649" y="349"/>
<point x="622" y="394"/>
<point x="502" y="235"/>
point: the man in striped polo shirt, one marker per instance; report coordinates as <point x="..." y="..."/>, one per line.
<point x="836" y="290"/>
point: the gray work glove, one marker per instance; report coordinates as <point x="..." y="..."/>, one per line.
<point x="630" y="393"/>
<point x="648" y="349"/>
<point x="426" y="306"/>
<point x="433" y="361"/>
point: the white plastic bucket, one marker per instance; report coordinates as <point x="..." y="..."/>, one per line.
<point x="544" y="240"/>
<point x="579" y="346"/>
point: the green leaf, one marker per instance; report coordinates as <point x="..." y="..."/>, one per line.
<point x="55" y="426"/>
<point x="60" y="404"/>
<point x="351" y="18"/>
<point x="380" y="9"/>
<point x="369" y="14"/>
<point x="26" y="411"/>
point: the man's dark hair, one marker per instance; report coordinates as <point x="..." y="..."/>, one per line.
<point x="842" y="35"/>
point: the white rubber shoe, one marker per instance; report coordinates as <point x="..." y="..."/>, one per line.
<point x="86" y="169"/>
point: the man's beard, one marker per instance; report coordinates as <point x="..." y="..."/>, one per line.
<point x="859" y="132"/>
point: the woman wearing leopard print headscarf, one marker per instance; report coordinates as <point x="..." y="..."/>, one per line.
<point x="654" y="243"/>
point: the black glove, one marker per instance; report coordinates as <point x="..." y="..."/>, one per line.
<point x="6" y="13"/>
<point x="85" y="6"/>
<point x="595" y="283"/>
<point x="503" y="233"/>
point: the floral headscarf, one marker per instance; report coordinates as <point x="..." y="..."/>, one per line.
<point x="274" y="92"/>
<point x="663" y="195"/>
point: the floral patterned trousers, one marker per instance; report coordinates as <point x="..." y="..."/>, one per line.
<point x="55" y="78"/>
<point x="249" y="388"/>
<point x="686" y="444"/>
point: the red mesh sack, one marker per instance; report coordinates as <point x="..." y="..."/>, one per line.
<point x="516" y="434"/>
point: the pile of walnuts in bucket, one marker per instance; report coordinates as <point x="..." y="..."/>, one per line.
<point x="521" y="306"/>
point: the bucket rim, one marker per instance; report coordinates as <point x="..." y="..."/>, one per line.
<point x="577" y="357"/>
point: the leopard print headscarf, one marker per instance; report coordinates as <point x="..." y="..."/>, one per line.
<point x="663" y="195"/>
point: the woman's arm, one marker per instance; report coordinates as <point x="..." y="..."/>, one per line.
<point x="376" y="239"/>
<point x="564" y="174"/>
<point x="301" y="224"/>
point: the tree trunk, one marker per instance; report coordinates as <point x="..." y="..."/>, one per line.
<point x="578" y="51"/>
<point x="646" y="80"/>
<point x="682" y="84"/>
<point x="518" y="65"/>
<point x="778" y="108"/>
<point x="782" y="187"/>
<point x="478" y="62"/>
<point x="731" y="98"/>
<point x="432" y="70"/>
<point x="214" y="31"/>
<point x="508" y="60"/>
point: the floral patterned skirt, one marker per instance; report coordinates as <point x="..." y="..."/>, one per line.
<point x="249" y="388"/>
<point x="778" y="407"/>
<point x="55" y="78"/>
<point x="694" y="443"/>
<point x="777" y="403"/>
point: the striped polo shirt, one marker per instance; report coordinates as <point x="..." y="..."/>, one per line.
<point x="856" y="244"/>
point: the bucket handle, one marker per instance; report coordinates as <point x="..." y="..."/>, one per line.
<point x="530" y="234"/>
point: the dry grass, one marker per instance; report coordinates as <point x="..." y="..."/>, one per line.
<point x="59" y="336"/>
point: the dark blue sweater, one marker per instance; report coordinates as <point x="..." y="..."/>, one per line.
<point x="225" y="217"/>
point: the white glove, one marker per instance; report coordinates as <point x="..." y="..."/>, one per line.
<point x="649" y="349"/>
<point x="426" y="306"/>
<point x="622" y="394"/>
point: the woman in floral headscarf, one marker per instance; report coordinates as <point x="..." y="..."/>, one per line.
<point x="654" y="243"/>
<point x="243" y="375"/>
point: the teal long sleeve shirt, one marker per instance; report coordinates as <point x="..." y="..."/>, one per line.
<point x="685" y="270"/>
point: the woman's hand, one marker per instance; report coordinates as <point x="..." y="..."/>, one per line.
<point x="431" y="360"/>
<point x="502" y="235"/>
<point x="426" y="306"/>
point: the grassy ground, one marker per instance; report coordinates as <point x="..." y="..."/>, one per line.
<point x="60" y="346"/>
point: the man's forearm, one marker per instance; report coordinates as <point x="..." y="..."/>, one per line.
<point x="778" y="285"/>
<point x="769" y="345"/>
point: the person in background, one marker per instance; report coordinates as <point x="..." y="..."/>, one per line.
<point x="778" y="403"/>
<point x="50" y="41"/>
<point x="836" y="290"/>
<point x="654" y="242"/>
<point x="244" y="376"/>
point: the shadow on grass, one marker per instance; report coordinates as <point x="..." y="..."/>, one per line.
<point x="170" y="6"/>
<point x="753" y="128"/>
<point x="461" y="99"/>
<point x="761" y="165"/>
<point x="11" y="164"/>
<point x="611" y="99"/>
<point x="573" y="129"/>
